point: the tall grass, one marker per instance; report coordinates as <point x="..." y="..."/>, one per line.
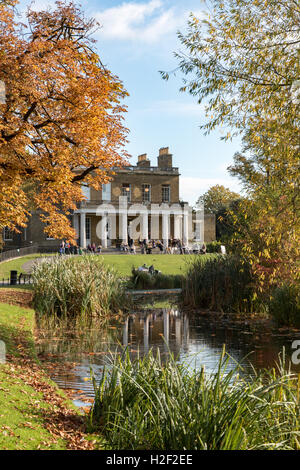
<point x="222" y="283"/>
<point x="146" y="404"/>
<point x="72" y="286"/>
<point x="284" y="305"/>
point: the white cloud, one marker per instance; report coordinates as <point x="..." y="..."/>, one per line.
<point x="192" y="187"/>
<point x="142" y="22"/>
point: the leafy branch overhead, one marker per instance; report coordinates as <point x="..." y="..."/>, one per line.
<point x="62" y="119"/>
<point x="241" y="59"/>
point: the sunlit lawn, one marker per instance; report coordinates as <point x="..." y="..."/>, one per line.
<point x="22" y="424"/>
<point x="16" y="264"/>
<point x="167" y="264"/>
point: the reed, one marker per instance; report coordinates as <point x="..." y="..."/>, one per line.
<point x="221" y="283"/>
<point x="146" y="404"/>
<point x="284" y="305"/>
<point x="73" y="286"/>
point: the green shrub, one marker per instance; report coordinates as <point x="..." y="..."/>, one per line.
<point x="144" y="280"/>
<point x="213" y="247"/>
<point x="147" y="404"/>
<point x="72" y="286"/>
<point x="222" y="283"/>
<point x="285" y="305"/>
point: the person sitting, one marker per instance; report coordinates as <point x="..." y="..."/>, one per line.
<point x="160" y="246"/>
<point x="131" y="246"/>
<point x="151" y="269"/>
<point x="179" y="245"/>
<point x="203" y="249"/>
<point x="143" y="268"/>
<point x="99" y="248"/>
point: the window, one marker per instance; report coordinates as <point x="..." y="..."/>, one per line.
<point x="126" y="191"/>
<point x="7" y="234"/>
<point x="166" y="193"/>
<point x="86" y="191"/>
<point x="88" y="229"/>
<point x="146" y="190"/>
<point x="106" y="192"/>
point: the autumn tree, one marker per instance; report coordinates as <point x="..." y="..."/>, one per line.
<point x="220" y="201"/>
<point x="216" y="198"/>
<point x="242" y="61"/>
<point x="61" y="124"/>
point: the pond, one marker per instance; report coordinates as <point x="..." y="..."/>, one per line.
<point x="69" y="354"/>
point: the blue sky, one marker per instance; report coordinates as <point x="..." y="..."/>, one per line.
<point x="136" y="40"/>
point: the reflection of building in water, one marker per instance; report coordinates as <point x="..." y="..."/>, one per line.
<point x="166" y="329"/>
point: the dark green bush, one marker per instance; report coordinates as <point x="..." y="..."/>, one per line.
<point x="213" y="247"/>
<point x="222" y="283"/>
<point x="285" y="305"/>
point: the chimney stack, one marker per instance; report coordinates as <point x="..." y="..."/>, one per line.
<point x="143" y="160"/>
<point x="164" y="159"/>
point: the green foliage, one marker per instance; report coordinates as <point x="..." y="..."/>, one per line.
<point x="73" y="286"/>
<point x="148" y="404"/>
<point x="217" y="198"/>
<point x="242" y="59"/>
<point x="242" y="62"/>
<point x="285" y="305"/>
<point x="144" y="280"/>
<point x="223" y="283"/>
<point x="213" y="247"/>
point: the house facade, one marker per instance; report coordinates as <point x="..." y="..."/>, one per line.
<point x="141" y="201"/>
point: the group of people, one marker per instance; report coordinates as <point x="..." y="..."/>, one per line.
<point x="173" y="246"/>
<point x="66" y="248"/>
<point x="146" y="246"/>
<point x="92" y="248"/>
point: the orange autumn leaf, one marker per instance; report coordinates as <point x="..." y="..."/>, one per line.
<point x="61" y="122"/>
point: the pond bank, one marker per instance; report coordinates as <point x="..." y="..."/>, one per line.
<point x="34" y="413"/>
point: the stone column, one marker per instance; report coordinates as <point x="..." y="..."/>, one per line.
<point x="186" y="226"/>
<point x="123" y="219"/>
<point x="104" y="231"/>
<point x="82" y="230"/>
<point x="178" y="226"/>
<point x="145" y="234"/>
<point x="165" y="229"/>
<point x="76" y="225"/>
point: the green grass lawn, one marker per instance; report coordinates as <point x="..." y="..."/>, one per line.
<point x="16" y="264"/>
<point x="22" y="408"/>
<point x="167" y="264"/>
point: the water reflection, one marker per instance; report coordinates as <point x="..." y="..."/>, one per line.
<point x="194" y="339"/>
